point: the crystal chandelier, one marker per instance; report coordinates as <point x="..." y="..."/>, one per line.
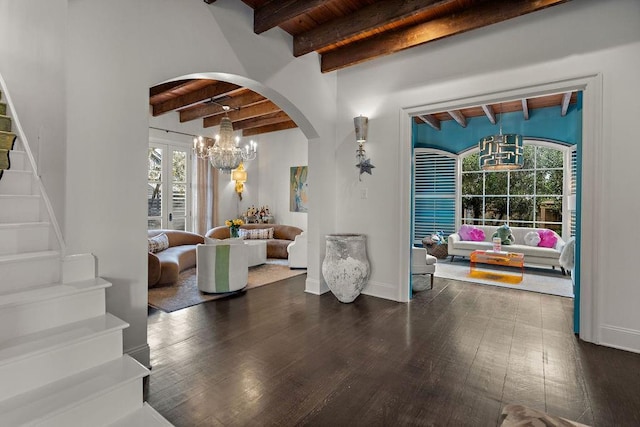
<point x="224" y="153"/>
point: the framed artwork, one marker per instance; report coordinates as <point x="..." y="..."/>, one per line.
<point x="298" y="195"/>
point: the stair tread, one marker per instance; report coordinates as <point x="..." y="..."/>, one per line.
<point x="13" y="196"/>
<point x="37" y="405"/>
<point x="28" y="256"/>
<point x="143" y="417"/>
<point x="49" y="291"/>
<point x="58" y="337"/>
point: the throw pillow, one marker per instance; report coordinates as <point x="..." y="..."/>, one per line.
<point x="256" y="233"/>
<point x="532" y="238"/>
<point x="548" y="238"/>
<point x="158" y="243"/>
<point x="465" y="232"/>
<point x="477" y="234"/>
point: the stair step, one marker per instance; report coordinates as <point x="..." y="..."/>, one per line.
<point x="17" y="182"/>
<point x="95" y="397"/>
<point x="19" y="160"/>
<point x="24" y="237"/>
<point x="41" y="307"/>
<point x="19" y="208"/>
<point x="5" y="123"/>
<point x="31" y="361"/>
<point x="143" y="417"/>
<point x="34" y="268"/>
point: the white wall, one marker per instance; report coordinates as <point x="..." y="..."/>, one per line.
<point x="115" y="54"/>
<point x="32" y="57"/>
<point x="555" y="44"/>
<point x="279" y="151"/>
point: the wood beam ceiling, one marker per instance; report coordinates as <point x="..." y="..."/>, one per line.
<point x="212" y="89"/>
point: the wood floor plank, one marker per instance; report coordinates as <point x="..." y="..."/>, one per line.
<point x="455" y="355"/>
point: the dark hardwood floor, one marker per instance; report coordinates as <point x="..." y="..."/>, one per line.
<point x="455" y="356"/>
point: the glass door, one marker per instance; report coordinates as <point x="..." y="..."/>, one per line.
<point x="169" y="187"/>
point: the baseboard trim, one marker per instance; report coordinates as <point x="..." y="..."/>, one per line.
<point x="142" y="354"/>
<point x="620" y="338"/>
<point x="313" y="286"/>
<point x="381" y="290"/>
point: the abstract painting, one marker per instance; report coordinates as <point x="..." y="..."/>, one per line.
<point x="298" y="195"/>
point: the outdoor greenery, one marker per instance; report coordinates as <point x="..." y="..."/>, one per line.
<point x="528" y="197"/>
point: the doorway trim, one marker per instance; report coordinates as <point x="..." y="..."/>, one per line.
<point x="588" y="294"/>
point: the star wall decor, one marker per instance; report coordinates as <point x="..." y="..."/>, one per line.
<point x="365" y="166"/>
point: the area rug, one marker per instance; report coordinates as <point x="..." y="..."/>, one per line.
<point x="546" y="284"/>
<point x="185" y="293"/>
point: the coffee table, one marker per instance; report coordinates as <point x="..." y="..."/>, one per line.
<point x="257" y="252"/>
<point x="505" y="259"/>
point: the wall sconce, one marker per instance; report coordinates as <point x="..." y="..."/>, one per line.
<point x="362" y="126"/>
<point x="239" y="175"/>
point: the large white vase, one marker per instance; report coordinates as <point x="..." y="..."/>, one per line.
<point x="346" y="267"/>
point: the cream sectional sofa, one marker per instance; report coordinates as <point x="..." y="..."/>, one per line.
<point x="532" y="254"/>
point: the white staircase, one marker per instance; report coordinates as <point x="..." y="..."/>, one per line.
<point x="61" y="360"/>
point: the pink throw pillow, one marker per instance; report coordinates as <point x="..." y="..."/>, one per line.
<point x="471" y="233"/>
<point x="548" y="238"/>
<point x="477" y="235"/>
<point x="465" y="232"/>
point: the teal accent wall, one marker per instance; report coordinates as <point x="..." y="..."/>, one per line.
<point x="546" y="123"/>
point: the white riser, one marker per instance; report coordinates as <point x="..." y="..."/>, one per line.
<point x="19" y="208"/>
<point x="19" y="159"/>
<point x="17" y="182"/>
<point x="27" y="318"/>
<point x="95" y="397"/>
<point x="143" y="417"/>
<point x="29" y="270"/>
<point x="19" y="238"/>
<point x="27" y="363"/>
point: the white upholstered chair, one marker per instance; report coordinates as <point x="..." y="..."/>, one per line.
<point x="422" y="264"/>
<point x="297" y="251"/>
<point x="222" y="266"/>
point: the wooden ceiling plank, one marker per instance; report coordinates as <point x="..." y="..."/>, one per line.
<point x="525" y="108"/>
<point x="270" y="119"/>
<point x="276" y="12"/>
<point x="362" y="21"/>
<point x="481" y="15"/>
<point x="215" y="89"/>
<point x="458" y="117"/>
<point x="256" y="110"/>
<point x="566" y="99"/>
<point x="430" y="120"/>
<point x="165" y="87"/>
<point x="269" y="128"/>
<point x="488" y="111"/>
<point x="245" y="100"/>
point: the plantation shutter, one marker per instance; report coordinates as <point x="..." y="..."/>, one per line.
<point x="434" y="186"/>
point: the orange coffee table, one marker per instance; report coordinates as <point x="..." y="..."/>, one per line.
<point x="505" y="259"/>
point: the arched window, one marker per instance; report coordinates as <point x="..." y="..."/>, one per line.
<point x="529" y="197"/>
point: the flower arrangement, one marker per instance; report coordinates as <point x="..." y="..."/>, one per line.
<point x="234" y="226"/>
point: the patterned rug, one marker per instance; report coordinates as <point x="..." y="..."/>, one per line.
<point x="185" y="293"/>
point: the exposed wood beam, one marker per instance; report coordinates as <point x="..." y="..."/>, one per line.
<point x="269" y="119"/>
<point x="166" y="87"/>
<point x="209" y="1"/>
<point x="269" y="128"/>
<point x="491" y="115"/>
<point x="525" y="109"/>
<point x="484" y="14"/>
<point x="215" y="89"/>
<point x="275" y="12"/>
<point x="430" y="120"/>
<point x="364" y="20"/>
<point x="566" y="99"/>
<point x="266" y="107"/>
<point x="246" y="99"/>
<point x="458" y="117"/>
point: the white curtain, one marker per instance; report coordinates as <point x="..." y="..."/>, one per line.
<point x="206" y="197"/>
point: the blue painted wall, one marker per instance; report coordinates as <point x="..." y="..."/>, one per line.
<point x="543" y="123"/>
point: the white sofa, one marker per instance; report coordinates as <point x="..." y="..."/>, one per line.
<point x="532" y="254"/>
<point x="297" y="251"/>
